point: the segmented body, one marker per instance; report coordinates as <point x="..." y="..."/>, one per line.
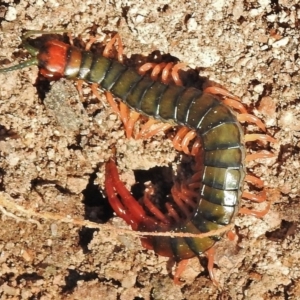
<point x="215" y="124"/>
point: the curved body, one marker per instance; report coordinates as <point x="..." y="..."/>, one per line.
<point x="216" y="125"/>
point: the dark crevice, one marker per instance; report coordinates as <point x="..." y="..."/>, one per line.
<point x="40" y="182"/>
<point x="29" y="277"/>
<point x="97" y="209"/>
<point x="161" y="182"/>
<point x="286" y="229"/>
<point x="74" y="276"/>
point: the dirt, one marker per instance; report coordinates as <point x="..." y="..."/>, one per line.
<point x="59" y="238"/>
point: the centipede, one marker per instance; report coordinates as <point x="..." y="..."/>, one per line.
<point x="209" y="130"/>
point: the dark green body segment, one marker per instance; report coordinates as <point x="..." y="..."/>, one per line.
<point x="216" y="126"/>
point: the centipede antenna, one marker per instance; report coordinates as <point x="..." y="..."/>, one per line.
<point x="25" y="64"/>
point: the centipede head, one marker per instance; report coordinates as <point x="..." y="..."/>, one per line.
<point x="47" y="53"/>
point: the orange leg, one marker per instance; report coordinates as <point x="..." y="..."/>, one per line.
<point x="186" y="193"/>
<point x="177" y="140"/>
<point x="156" y="69"/>
<point x="147" y="132"/>
<point x="179" y="270"/>
<point x="109" y="49"/>
<point x="259" y="155"/>
<point x="79" y="84"/>
<point x="235" y="105"/>
<point x="196" y="147"/>
<point x="70" y="38"/>
<point x="113" y="103"/>
<point x="186" y="140"/>
<point x="175" y="75"/>
<point x="177" y="197"/>
<point x="90" y="43"/>
<point x="152" y="208"/>
<point x="217" y="90"/>
<point x="172" y="212"/>
<point x="259" y="137"/>
<point x="251" y="119"/>
<point x="230" y="100"/>
<point x="260" y="197"/>
<point x="182" y="140"/>
<point x="166" y="69"/>
<point x="257" y="214"/>
<point x="128" y="118"/>
<point x="134" y="116"/>
<point x="166" y="73"/>
<point x="210" y="253"/>
<point x="94" y="87"/>
<point x="231" y="235"/>
<point x="254" y="180"/>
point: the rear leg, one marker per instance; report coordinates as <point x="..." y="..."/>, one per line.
<point x="126" y="207"/>
<point x="257" y="198"/>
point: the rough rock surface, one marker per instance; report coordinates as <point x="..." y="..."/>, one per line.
<point x="53" y="149"/>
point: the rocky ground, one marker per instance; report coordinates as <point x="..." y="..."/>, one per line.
<point x="58" y="237"/>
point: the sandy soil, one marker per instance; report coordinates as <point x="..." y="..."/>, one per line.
<point x="53" y="149"/>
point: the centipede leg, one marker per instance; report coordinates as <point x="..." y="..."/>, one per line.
<point x="254" y="180"/>
<point x="147" y="131"/>
<point x="181" y="266"/>
<point x="251" y="119"/>
<point x="128" y="118"/>
<point x="165" y="69"/>
<point x="175" y="74"/>
<point x="263" y="138"/>
<point x="259" y="155"/>
<point x="95" y="92"/>
<point x="110" y="45"/>
<point x="235" y="105"/>
<point x="184" y="198"/>
<point x="230" y="99"/>
<point x="259" y="137"/>
<point x="258" y="198"/>
<point x="210" y="254"/>
<point x="220" y="91"/>
<point x="182" y="140"/>
<point x="126" y="206"/>
<point x="255" y="213"/>
<point x="133" y="117"/>
<point x="79" y="89"/>
<point x="177" y="140"/>
<point x="156" y="69"/>
<point x="186" y="141"/>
